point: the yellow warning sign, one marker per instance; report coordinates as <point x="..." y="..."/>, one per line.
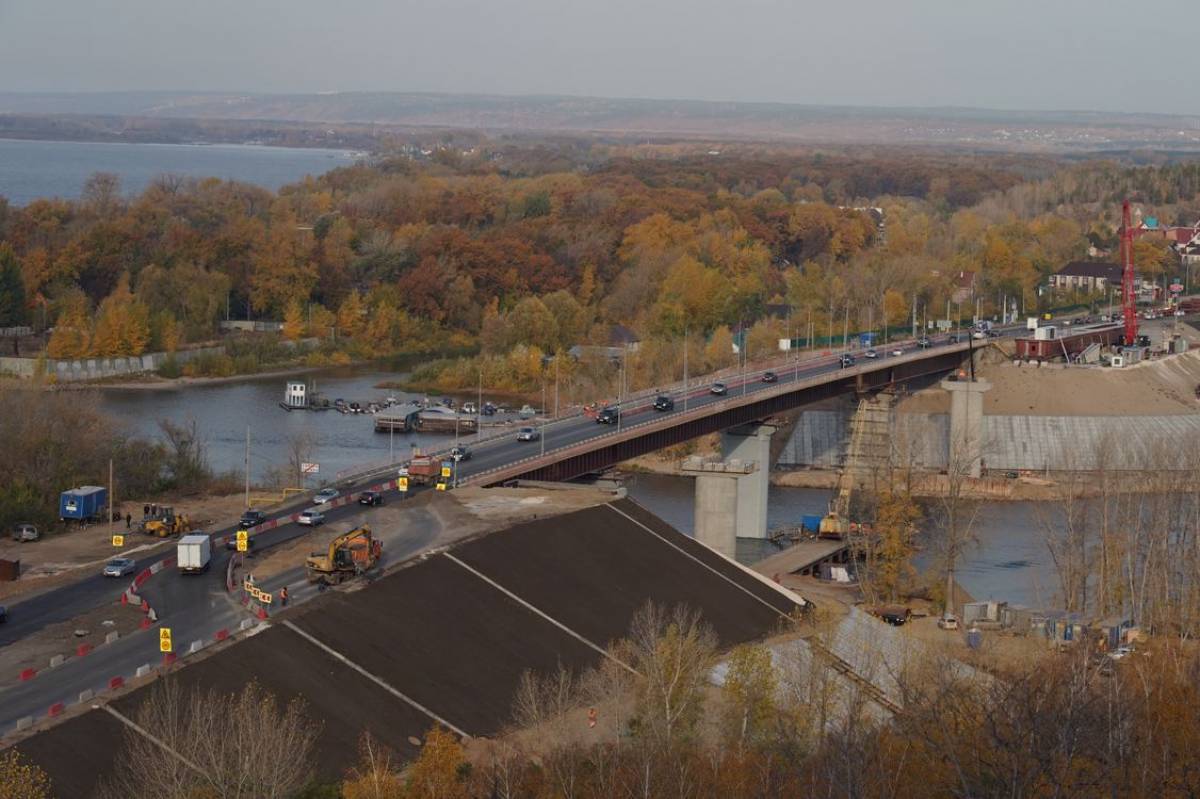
<point x="242" y="546"/>
<point x="164" y="639"/>
<point x="402" y="483"/>
<point x="445" y="471"/>
<point x="164" y="632"/>
<point x="441" y="486"/>
<point x="243" y="540"/>
<point x="118" y="540"/>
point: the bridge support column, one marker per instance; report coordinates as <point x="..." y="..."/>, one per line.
<point x="751" y="443"/>
<point x="966" y="426"/>
<point x="719" y="487"/>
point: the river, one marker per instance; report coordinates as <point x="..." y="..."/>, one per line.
<point x="33" y="169"/>
<point x="1008" y="562"/>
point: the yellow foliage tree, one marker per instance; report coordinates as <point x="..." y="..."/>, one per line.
<point x="373" y="777"/>
<point x="122" y="323"/>
<point x="73" y="331"/>
<point x="320" y="321"/>
<point x="435" y="774"/>
<point x="21" y="780"/>
<point x="293" y="320"/>
<point x="350" y="315"/>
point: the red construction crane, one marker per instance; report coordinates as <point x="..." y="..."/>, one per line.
<point x="1128" y="291"/>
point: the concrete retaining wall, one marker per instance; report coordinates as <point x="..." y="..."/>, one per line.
<point x="68" y="371"/>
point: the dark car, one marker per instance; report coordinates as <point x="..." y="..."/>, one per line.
<point x="370" y="498"/>
<point x="488" y="409"/>
<point x="251" y="518"/>
<point x="770" y="377"/>
<point x="664" y="403"/>
<point x="460" y="453"/>
<point x="924" y="343"/>
<point x="608" y="416"/>
<point x="846" y="361"/>
<point x="720" y="389"/>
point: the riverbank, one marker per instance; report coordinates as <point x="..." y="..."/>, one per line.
<point x="157" y="383"/>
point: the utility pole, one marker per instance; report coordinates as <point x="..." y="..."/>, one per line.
<point x="685" y="368"/>
<point x="914" y="329"/>
<point x="392" y="440"/>
<point x="846" y="329"/>
<point x="247" y="467"/>
<point x="556" y="385"/>
<point x="112" y="497"/>
<point x="479" y="409"/>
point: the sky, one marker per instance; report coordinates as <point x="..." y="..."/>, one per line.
<point x="1010" y="54"/>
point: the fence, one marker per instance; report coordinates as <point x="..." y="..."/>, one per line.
<point x="69" y="371"/>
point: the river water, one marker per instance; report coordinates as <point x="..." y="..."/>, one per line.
<point x="33" y="169"/>
<point x="1009" y="560"/>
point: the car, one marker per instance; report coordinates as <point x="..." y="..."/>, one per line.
<point x="489" y="409"/>
<point x="871" y="354"/>
<point x="720" y="389"/>
<point x="770" y="377"/>
<point x="948" y="622"/>
<point x="402" y="471"/>
<point x="846" y="360"/>
<point x="460" y="453"/>
<point x="608" y="416"/>
<point x="370" y="498"/>
<point x="1011" y="475"/>
<point x="119" y="567"/>
<point x="897" y="351"/>
<point x="528" y="434"/>
<point x="924" y="342"/>
<point x="251" y="518"/>
<point x="311" y="518"/>
<point x="3" y="614"/>
<point x="25" y="532"/>
<point x="325" y="495"/>
<point x="664" y="402"/>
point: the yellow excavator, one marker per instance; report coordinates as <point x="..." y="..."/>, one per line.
<point x="164" y="522"/>
<point x="349" y="555"/>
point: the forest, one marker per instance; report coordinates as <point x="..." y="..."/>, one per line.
<point x="522" y="250"/>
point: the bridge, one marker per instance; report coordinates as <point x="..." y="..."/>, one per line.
<point x="576" y="445"/>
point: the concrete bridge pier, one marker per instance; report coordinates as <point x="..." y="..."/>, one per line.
<point x="751" y="443"/>
<point x="966" y="425"/>
<point x="719" y="488"/>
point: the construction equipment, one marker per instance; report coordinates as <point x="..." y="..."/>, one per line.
<point x="349" y="555"/>
<point x="164" y="522"/>
<point x="869" y="450"/>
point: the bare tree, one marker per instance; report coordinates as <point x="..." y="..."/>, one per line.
<point x="543" y="705"/>
<point x="232" y="746"/>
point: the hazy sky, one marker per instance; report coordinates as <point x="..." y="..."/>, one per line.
<point x="1043" y="54"/>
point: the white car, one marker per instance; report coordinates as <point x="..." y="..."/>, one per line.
<point x="325" y="495"/>
<point x="311" y="518"/>
<point x="871" y="354"/>
<point x="897" y="352"/>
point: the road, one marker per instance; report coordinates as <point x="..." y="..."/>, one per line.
<point x="195" y="607"/>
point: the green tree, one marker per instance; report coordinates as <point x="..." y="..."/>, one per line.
<point x="750" y="685"/>
<point x="12" y="289"/>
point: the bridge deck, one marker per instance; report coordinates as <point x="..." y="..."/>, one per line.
<point x="803" y="555"/>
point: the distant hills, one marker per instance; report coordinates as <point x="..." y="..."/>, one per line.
<point x="992" y="129"/>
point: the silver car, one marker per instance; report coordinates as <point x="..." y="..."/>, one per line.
<point x="119" y="567"/>
<point x="528" y="434"/>
<point x="311" y="518"/>
<point x="325" y="495"/>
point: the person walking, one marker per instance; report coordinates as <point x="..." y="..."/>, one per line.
<point x="128" y="520"/>
<point x="283" y="596"/>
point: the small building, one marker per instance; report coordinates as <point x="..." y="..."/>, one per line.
<point x="296" y="395"/>
<point x="1086" y="276"/>
<point x="964" y="287"/>
<point x="1048" y="342"/>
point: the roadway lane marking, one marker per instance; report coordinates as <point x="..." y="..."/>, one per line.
<point x="726" y="578"/>
<point x="545" y="616"/>
<point x="142" y="731"/>
<point x="377" y="680"/>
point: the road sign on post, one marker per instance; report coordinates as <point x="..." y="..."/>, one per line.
<point x="118" y="540"/>
<point x="310" y="468"/>
<point x="445" y="470"/>
<point x="243" y="540"/>
<point x="402" y="484"/>
<point x="164" y="639"/>
<point x="441" y="486"/>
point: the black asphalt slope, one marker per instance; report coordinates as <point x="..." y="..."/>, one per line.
<point x="775" y="598"/>
<point x="593" y="569"/>
<point x="447" y="639"/>
<point x="81" y="751"/>
<point x="76" y="754"/>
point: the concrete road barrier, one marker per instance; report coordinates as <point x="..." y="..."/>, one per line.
<point x="115" y="683"/>
<point x="25" y="722"/>
<point x="195" y="647"/>
<point x="113" y="636"/>
<point x="85" y="696"/>
<point x="28" y="674"/>
<point x="82" y="650"/>
<point x="142" y="670"/>
<point x="56" y="661"/>
<point x="222" y="635"/>
<point x="56" y="709"/>
<point x="246" y="624"/>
